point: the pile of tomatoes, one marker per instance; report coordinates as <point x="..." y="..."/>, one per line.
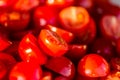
<point x="59" y="40"/>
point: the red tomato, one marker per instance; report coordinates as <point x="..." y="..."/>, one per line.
<point x="26" y="71"/>
<point x="51" y="43"/>
<point x="74" y="19"/>
<point x="14" y="21"/>
<point x="29" y="50"/>
<point x="109" y="26"/>
<point x="93" y="65"/>
<point x="66" y="35"/>
<point x="44" y="15"/>
<point x="62" y="66"/>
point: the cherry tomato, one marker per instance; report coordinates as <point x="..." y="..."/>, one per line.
<point x="62" y="66"/>
<point x="26" y="71"/>
<point x="74" y="19"/>
<point x="93" y="65"/>
<point x="14" y="20"/>
<point x="51" y="43"/>
<point x="109" y="26"/>
<point x="66" y="35"/>
<point x="29" y="50"/>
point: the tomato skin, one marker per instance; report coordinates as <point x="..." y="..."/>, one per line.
<point x="66" y="35"/>
<point x="93" y="65"/>
<point x="29" y="50"/>
<point x="51" y="43"/>
<point x="26" y="71"/>
<point x="11" y="19"/>
<point x="62" y="66"/>
<point x="74" y="19"/>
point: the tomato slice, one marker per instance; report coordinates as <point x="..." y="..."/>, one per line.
<point x="66" y="35"/>
<point x="74" y="19"/>
<point x="29" y="50"/>
<point x="51" y="43"/>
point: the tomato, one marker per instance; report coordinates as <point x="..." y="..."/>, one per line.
<point x="62" y="66"/>
<point x="51" y="43"/>
<point x="66" y="35"/>
<point x="14" y="20"/>
<point x="109" y="26"/>
<point x="93" y="65"/>
<point x="29" y="50"/>
<point x="74" y="19"/>
<point x="26" y="71"/>
<point x="40" y="18"/>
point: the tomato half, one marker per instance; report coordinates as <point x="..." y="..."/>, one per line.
<point x="51" y="43"/>
<point x="74" y="19"/>
<point x="29" y="50"/>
